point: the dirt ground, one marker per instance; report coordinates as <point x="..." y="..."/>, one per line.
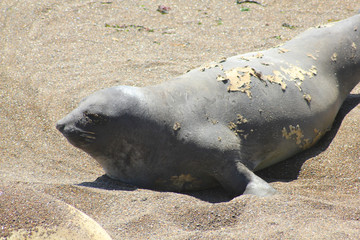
<point x="54" y="53"/>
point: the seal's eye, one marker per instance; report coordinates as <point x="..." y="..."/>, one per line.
<point x="94" y="118"/>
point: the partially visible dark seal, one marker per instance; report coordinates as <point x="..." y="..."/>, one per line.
<point x="219" y="123"/>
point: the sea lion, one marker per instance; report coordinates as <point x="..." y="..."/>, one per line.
<point x="220" y="122"/>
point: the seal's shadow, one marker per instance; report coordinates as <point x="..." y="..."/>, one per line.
<point x="104" y="182"/>
<point x="284" y="171"/>
<point x="214" y="195"/>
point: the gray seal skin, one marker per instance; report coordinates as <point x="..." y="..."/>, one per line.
<point x="219" y="123"/>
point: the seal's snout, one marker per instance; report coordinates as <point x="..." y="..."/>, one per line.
<point x="76" y="136"/>
<point x="64" y="127"/>
<point x="60" y="127"/>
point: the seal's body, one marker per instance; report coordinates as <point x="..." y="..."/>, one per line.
<point x="219" y="123"/>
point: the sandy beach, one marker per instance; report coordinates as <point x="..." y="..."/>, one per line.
<point x="54" y="53"/>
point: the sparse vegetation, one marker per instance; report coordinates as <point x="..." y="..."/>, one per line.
<point x="288" y="26"/>
<point x="126" y="27"/>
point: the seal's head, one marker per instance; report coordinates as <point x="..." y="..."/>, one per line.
<point x="93" y="122"/>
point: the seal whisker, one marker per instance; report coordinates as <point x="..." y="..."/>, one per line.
<point x="89" y="140"/>
<point x="87" y="136"/>
<point x="87" y="132"/>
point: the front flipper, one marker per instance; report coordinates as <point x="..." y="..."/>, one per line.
<point x="238" y="180"/>
<point x="259" y="187"/>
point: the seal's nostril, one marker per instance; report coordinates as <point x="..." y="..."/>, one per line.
<point x="60" y="127"/>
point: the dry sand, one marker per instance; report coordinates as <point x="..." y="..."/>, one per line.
<point x="54" y="53"/>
